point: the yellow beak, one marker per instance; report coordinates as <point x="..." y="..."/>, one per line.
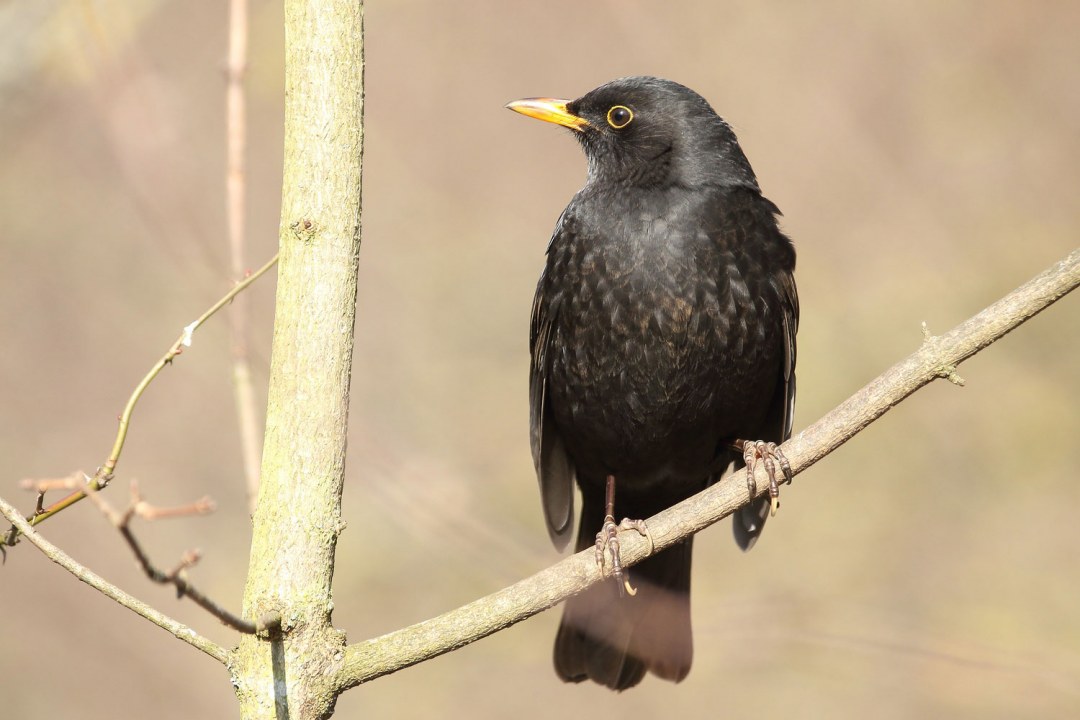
<point x="549" y="110"/>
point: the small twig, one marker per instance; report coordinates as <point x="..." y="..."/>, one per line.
<point x="176" y="577"/>
<point x="104" y="474"/>
<point x="71" y="482"/>
<point x="42" y="486"/>
<point x="947" y="371"/>
<point x="95" y="581"/>
<point x="202" y="506"/>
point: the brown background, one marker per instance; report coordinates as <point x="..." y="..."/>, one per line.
<point x="927" y="158"/>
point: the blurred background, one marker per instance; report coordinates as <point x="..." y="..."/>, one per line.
<point x="927" y="158"/>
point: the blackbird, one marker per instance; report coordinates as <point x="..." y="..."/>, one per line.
<point x="663" y="353"/>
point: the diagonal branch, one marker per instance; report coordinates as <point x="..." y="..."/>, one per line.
<point x="177" y="577"/>
<point x="105" y="473"/>
<point x="937" y="358"/>
<point x="58" y="556"/>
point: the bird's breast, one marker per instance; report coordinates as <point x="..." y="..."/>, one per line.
<point x="656" y="336"/>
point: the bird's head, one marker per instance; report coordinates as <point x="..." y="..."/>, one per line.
<point x="645" y="131"/>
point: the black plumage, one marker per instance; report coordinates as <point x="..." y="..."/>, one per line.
<point x="663" y="331"/>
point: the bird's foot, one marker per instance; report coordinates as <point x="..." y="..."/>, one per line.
<point x="607" y="543"/>
<point x="607" y="540"/>
<point x="768" y="454"/>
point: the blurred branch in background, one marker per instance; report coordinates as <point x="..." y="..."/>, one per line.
<point x="235" y="208"/>
<point x="937" y="358"/>
<point x="104" y="474"/>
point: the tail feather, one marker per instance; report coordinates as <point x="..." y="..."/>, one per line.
<point x="748" y="521"/>
<point x="614" y="640"/>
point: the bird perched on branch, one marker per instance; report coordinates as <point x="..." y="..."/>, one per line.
<point x="663" y="353"/>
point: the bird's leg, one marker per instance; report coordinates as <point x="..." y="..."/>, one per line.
<point x="607" y="540"/>
<point x="770" y="455"/>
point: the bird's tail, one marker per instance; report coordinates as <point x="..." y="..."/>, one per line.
<point x="749" y="520"/>
<point x="613" y="640"/>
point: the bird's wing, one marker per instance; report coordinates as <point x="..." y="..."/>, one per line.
<point x="554" y="469"/>
<point x="790" y="316"/>
<point x="750" y="519"/>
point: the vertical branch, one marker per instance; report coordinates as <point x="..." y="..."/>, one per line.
<point x="297" y="516"/>
<point x="235" y="205"/>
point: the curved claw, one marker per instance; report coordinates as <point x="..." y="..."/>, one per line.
<point x="607" y="543"/>
<point x="641" y="528"/>
<point x="770" y="455"/>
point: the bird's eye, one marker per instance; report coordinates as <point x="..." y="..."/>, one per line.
<point x="619" y="116"/>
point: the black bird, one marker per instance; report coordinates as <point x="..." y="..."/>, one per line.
<point x="663" y="352"/>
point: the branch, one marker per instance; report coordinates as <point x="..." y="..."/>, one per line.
<point x="298" y="514"/>
<point x="177" y="576"/>
<point x="937" y="358"/>
<point x="235" y="193"/>
<point x="105" y="473"/>
<point x="58" y="556"/>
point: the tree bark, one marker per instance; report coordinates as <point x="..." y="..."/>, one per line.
<point x="297" y="517"/>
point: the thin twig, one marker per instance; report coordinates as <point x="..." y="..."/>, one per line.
<point x="105" y="473"/>
<point x="235" y="205"/>
<point x="42" y="486"/>
<point x="937" y="358"/>
<point x="175" y="577"/>
<point x="95" y="581"/>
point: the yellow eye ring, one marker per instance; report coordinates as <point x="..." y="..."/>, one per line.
<point x="619" y="116"/>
